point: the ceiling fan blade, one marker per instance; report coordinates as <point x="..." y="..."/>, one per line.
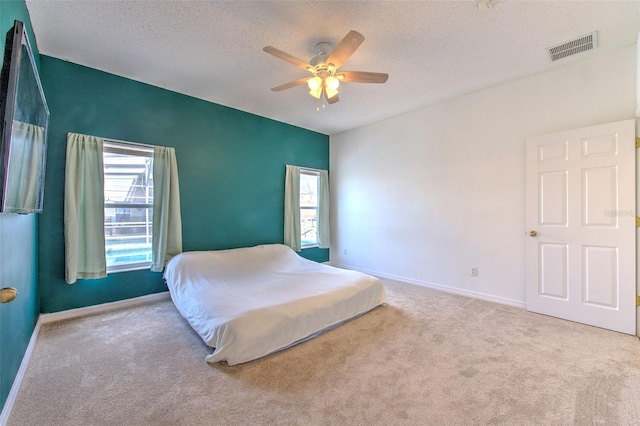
<point x="288" y="58"/>
<point x="291" y="84"/>
<point x="345" y="48"/>
<point x="362" y="77"/>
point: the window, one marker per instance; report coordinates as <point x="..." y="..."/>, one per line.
<point x="128" y="205"/>
<point x="306" y="208"/>
<point x="309" y="183"/>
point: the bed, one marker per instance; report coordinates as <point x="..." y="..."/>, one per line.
<point x="249" y="302"/>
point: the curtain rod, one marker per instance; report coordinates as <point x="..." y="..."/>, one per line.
<point x="311" y="169"/>
<point x="128" y="142"/>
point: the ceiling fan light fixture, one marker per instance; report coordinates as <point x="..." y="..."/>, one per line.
<point x="316" y="93"/>
<point x="331" y="92"/>
<point x="314" y="83"/>
<point x="332" y="83"/>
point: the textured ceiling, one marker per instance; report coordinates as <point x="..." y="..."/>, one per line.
<point x="432" y="50"/>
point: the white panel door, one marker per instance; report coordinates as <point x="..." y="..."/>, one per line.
<point x="581" y="246"/>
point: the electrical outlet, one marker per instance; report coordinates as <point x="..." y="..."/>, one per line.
<point x="473" y="271"/>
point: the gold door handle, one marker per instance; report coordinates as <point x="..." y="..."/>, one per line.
<point x="7" y="294"/>
<point x="533" y="234"/>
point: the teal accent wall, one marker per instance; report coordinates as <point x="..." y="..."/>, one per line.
<point x="231" y="166"/>
<point x="18" y="252"/>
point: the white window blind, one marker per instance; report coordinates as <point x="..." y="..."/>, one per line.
<point x="128" y="205"/>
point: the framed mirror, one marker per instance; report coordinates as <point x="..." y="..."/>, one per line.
<point x="23" y="143"/>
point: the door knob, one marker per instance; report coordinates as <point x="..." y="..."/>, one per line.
<point x="533" y="233"/>
<point x="7" y="294"/>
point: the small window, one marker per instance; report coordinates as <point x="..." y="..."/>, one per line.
<point x="128" y="205"/>
<point x="309" y="184"/>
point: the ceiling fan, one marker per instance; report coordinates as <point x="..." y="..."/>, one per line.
<point x="326" y="78"/>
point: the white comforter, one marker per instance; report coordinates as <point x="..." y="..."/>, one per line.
<point x="250" y="302"/>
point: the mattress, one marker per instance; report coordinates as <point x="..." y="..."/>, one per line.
<point x="249" y="302"/>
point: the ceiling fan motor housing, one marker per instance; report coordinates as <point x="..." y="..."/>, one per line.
<point x="319" y="62"/>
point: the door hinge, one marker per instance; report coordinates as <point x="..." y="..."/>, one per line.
<point x="637" y="221"/>
<point x="637" y="300"/>
<point x="637" y="142"/>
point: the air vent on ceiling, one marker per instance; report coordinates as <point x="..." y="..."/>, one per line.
<point x="580" y="44"/>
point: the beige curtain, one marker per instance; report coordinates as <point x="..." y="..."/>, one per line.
<point x="324" y="239"/>
<point x="167" y="220"/>
<point x="84" y="209"/>
<point x="292" y="208"/>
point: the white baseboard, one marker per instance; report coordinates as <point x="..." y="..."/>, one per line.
<point x="104" y="307"/>
<point x="440" y="287"/>
<point x="63" y="315"/>
<point x="17" y="381"/>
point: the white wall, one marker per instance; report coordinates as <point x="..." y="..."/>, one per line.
<point x="428" y="194"/>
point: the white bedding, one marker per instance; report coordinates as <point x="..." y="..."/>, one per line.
<point x="249" y="302"/>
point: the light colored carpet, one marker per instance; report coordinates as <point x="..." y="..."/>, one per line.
<point x="426" y="358"/>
